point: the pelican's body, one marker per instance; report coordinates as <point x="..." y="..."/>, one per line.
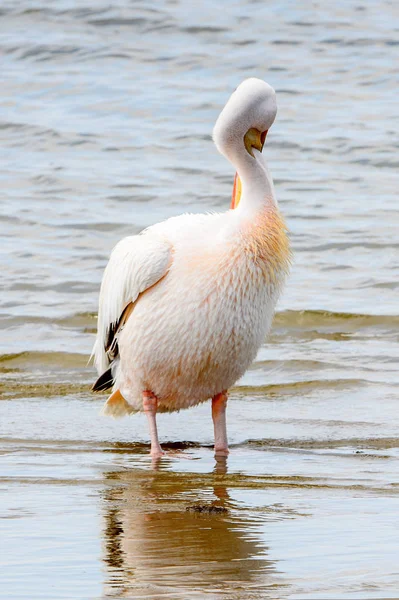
<point x="188" y="302"/>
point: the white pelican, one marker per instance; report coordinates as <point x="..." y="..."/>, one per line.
<point x="185" y="305"/>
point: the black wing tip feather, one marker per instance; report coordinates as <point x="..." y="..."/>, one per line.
<point x="104" y="382"/>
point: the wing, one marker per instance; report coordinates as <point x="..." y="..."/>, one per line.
<point x="136" y="264"/>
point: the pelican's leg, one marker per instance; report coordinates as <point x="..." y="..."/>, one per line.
<point x="219" y="403"/>
<point x="150" y="404"/>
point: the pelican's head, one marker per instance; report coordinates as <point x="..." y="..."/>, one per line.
<point x="243" y="124"/>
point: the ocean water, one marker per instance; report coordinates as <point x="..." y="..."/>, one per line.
<point x="106" y="114"/>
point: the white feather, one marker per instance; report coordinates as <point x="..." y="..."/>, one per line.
<point x="136" y="263"/>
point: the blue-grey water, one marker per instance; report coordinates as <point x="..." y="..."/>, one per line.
<point x="106" y="114"/>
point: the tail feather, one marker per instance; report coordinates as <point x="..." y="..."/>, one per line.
<point x="116" y="406"/>
<point x="104" y="382"/>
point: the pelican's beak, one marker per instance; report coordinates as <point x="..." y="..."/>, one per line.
<point x="252" y="139"/>
<point x="236" y="196"/>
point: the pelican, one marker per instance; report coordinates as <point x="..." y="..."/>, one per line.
<point x="185" y="305"/>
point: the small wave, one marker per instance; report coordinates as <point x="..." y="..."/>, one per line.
<point x="119" y="21"/>
<point x="208" y="29"/>
<point x="349" y="246"/>
<point x="83" y="320"/>
<point x="44" y="52"/>
<point x="287" y="389"/>
<point x="32" y="130"/>
<point x="62" y="360"/>
<point x="313" y="444"/>
<point x="313" y="318"/>
<point x="13" y="390"/>
<point x="287" y="42"/>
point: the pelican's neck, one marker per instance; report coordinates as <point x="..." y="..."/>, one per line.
<point x="256" y="182"/>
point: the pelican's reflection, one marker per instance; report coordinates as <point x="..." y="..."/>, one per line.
<point x="179" y="535"/>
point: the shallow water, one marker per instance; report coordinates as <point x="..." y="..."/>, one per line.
<point x="106" y="115"/>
